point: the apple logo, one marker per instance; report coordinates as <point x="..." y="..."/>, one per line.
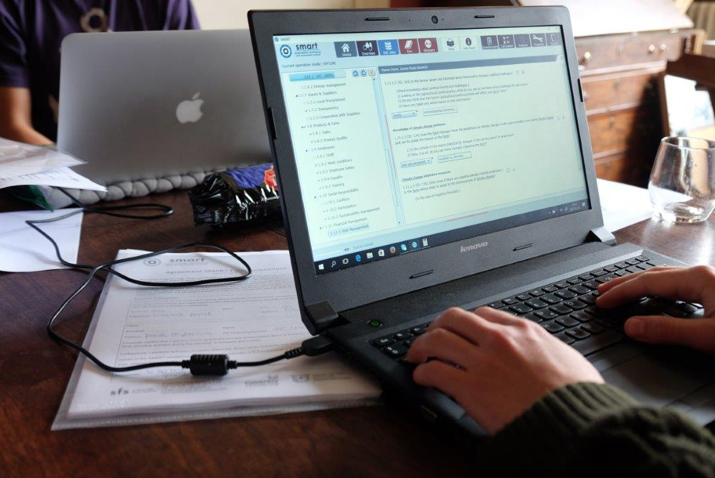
<point x="189" y="111"/>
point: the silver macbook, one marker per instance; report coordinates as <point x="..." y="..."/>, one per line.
<point x="141" y="105"/>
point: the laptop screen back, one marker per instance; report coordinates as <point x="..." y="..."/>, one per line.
<point x="409" y="140"/>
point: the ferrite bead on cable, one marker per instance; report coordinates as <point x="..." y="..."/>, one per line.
<point x="294" y="353"/>
<point x="208" y="364"/>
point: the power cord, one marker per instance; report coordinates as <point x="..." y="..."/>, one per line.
<point x="216" y="364"/>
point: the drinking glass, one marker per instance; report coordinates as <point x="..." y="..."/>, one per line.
<point x="682" y="183"/>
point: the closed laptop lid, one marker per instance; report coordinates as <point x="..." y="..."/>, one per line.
<point x="416" y="147"/>
<point x="151" y="104"/>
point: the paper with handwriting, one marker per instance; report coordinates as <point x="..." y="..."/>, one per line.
<point x="250" y="320"/>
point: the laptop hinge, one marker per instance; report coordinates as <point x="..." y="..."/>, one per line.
<point x="601" y="234"/>
<point x="322" y="315"/>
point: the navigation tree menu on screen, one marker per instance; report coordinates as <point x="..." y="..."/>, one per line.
<point x="409" y="140"/>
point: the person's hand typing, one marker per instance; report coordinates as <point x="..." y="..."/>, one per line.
<point x="495" y="365"/>
<point x="693" y="284"/>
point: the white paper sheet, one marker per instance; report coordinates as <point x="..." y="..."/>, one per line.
<point x="17" y="159"/>
<point x="623" y="204"/>
<point x="250" y="320"/>
<point x="60" y="177"/>
<point x="22" y="249"/>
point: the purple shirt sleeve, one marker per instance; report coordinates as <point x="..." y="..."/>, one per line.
<point x="13" y="54"/>
<point x="180" y="15"/>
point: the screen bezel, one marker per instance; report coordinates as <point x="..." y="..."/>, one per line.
<point x="371" y="282"/>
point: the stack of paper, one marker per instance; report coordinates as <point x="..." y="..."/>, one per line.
<point x="623" y="205"/>
<point x="250" y="320"/>
<point x="22" y="249"/>
<point x="23" y="164"/>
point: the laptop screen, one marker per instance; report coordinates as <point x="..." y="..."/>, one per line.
<point x="409" y="140"/>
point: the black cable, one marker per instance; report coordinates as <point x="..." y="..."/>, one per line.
<point x="198" y="364"/>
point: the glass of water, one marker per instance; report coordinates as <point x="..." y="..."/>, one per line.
<point x="682" y="183"/>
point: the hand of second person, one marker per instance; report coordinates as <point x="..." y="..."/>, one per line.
<point x="691" y="284"/>
<point x="495" y="365"/>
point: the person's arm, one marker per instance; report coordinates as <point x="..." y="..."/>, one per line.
<point x="15" y="116"/>
<point x="546" y="406"/>
<point x="588" y="429"/>
<point x="15" y="100"/>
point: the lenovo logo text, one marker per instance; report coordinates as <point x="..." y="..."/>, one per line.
<point x="473" y="247"/>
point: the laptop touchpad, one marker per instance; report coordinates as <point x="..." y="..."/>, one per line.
<point x="660" y="378"/>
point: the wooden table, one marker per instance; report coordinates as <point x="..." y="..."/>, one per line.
<point x="34" y="371"/>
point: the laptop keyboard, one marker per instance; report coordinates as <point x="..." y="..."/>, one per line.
<point x="567" y="309"/>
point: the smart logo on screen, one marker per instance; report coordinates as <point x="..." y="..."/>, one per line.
<point x="286" y="51"/>
<point x="301" y="50"/>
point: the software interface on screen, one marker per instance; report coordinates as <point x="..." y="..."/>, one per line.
<point x="409" y="140"/>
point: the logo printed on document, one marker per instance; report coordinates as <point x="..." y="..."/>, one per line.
<point x="269" y="381"/>
<point x="286" y="51"/>
<point x="152" y="261"/>
<point x="428" y="45"/>
<point x="345" y="49"/>
<point x="189" y="111"/>
<point x="388" y="47"/>
<point x="302" y="378"/>
<point x="367" y="48"/>
<point x="187" y="261"/>
<point x="408" y="46"/>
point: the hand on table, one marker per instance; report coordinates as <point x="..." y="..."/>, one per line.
<point x="506" y="363"/>
<point x="693" y="284"/>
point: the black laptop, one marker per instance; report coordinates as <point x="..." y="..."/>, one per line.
<point x="438" y="158"/>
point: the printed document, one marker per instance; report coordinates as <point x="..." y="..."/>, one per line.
<point x="17" y="159"/>
<point x="622" y="204"/>
<point x="22" y="249"/>
<point x="249" y="320"/>
<point x="60" y="177"/>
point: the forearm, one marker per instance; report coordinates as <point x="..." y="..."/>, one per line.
<point x="597" y="430"/>
<point x="23" y="134"/>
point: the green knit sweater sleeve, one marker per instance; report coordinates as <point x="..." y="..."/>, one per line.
<point x="588" y="429"/>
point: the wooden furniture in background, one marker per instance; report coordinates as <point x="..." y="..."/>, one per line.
<point x="619" y="74"/>
<point x="698" y="68"/>
<point x="372" y="441"/>
<point x="622" y="46"/>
